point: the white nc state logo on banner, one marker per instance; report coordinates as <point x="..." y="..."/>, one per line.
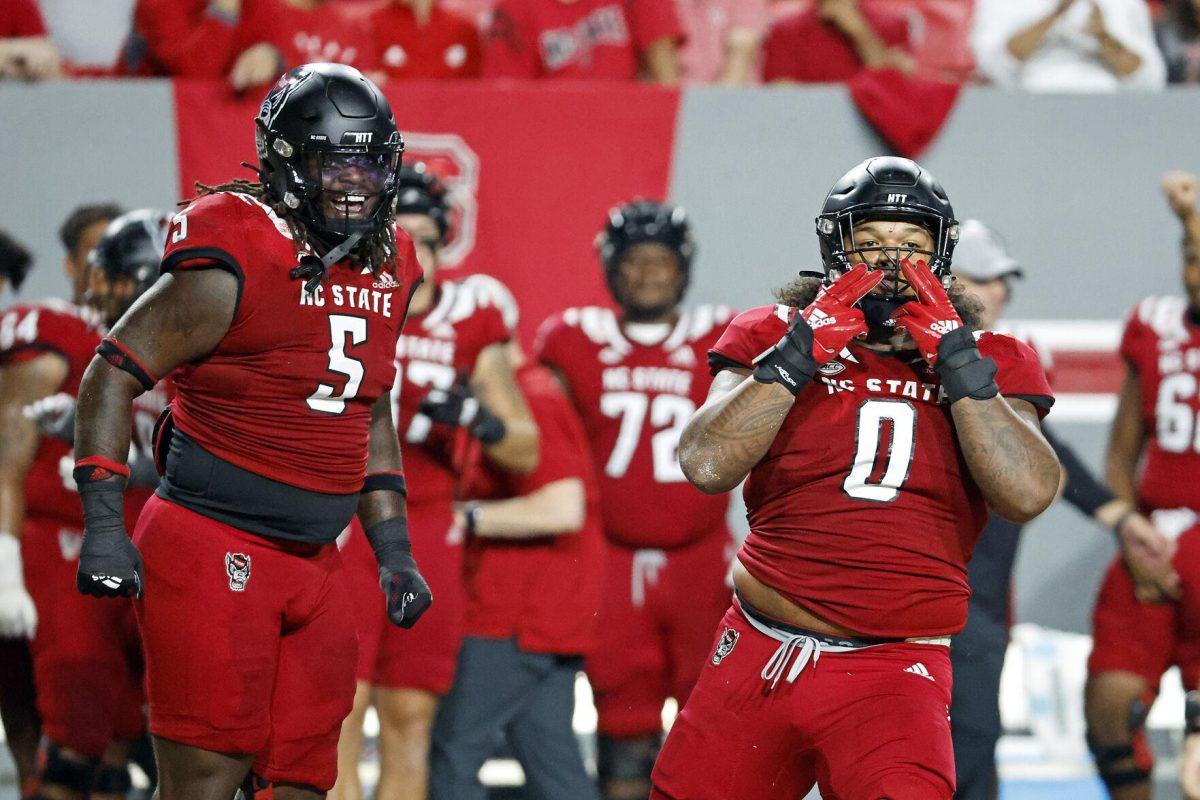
<point x="456" y="165"/>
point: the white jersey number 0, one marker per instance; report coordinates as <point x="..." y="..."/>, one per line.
<point x="871" y="416"/>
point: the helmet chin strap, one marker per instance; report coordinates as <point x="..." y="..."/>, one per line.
<point x="313" y="269"/>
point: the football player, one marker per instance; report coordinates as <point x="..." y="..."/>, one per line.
<point x="984" y="268"/>
<point x="636" y="376"/>
<point x="86" y="655"/>
<point x="278" y="309"/>
<point x="79" y="234"/>
<point x="1153" y="463"/>
<point x="533" y="567"/>
<point x="454" y="392"/>
<point x="874" y="431"/>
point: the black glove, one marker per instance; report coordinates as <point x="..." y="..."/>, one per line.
<point x="964" y="372"/>
<point x="789" y="363"/>
<point x="459" y="408"/>
<point x="109" y="564"/>
<point x="407" y="594"/>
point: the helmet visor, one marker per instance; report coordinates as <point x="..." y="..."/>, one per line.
<point x="351" y="184"/>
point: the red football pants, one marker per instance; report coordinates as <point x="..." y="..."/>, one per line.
<point x="425" y="655"/>
<point x="1146" y="639"/>
<point x="869" y="724"/>
<point x="250" y="643"/>
<point x="657" y="613"/>
<point x="87" y="662"/>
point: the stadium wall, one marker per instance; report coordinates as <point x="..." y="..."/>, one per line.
<point x="1071" y="181"/>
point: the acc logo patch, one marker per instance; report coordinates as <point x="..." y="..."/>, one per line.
<point x="729" y="639"/>
<point x="238" y="567"/>
<point x="451" y="159"/>
<point x="831" y="368"/>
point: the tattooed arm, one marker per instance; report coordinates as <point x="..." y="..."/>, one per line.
<point x="732" y="431"/>
<point x="1012" y="462"/>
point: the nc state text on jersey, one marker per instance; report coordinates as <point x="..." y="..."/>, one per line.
<point x="354" y="297"/>
<point x="914" y="390"/>
<point x="648" y="379"/>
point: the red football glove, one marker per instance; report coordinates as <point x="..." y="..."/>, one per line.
<point x="931" y="316"/>
<point x="832" y="316"/>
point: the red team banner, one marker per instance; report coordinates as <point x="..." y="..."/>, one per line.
<point x="533" y="169"/>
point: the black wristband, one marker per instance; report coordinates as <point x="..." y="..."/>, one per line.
<point x="116" y="354"/>
<point x="385" y="482"/>
<point x="103" y="506"/>
<point x="789" y="363"/>
<point x="487" y="427"/>
<point x="1191" y="713"/>
<point x="964" y="372"/>
<point x="389" y="537"/>
<point x="471" y="518"/>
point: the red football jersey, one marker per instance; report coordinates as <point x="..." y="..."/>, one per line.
<point x="446" y="46"/>
<point x="1162" y="344"/>
<point x="287" y="393"/>
<point x="545" y="591"/>
<point x="439" y="348"/>
<point x="634" y="400"/>
<point x="863" y="510"/>
<point x="27" y="331"/>
<point x="592" y="39"/>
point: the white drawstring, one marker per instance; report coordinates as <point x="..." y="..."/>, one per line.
<point x="810" y="650"/>
<point x="646" y="566"/>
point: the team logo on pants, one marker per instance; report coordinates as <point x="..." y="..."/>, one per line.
<point x="238" y="567"/>
<point x="725" y="646"/>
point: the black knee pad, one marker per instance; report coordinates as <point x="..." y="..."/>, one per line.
<point x="56" y="770"/>
<point x="626" y="759"/>
<point x="1113" y="772"/>
<point x="111" y="779"/>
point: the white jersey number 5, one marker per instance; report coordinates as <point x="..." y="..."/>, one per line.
<point x="341" y="326"/>
<point x="871" y="416"/>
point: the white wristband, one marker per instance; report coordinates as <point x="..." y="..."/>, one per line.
<point x="11" y="572"/>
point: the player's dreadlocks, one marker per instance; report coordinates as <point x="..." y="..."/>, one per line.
<point x="376" y="251"/>
<point x="803" y="290"/>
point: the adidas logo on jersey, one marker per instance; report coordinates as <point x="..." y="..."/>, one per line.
<point x="919" y="669"/>
<point x="385" y="281"/>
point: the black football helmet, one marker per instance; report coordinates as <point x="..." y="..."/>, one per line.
<point x="886" y="188"/>
<point x="419" y="191"/>
<point x="131" y="247"/>
<point x="642" y="221"/>
<point x="328" y="149"/>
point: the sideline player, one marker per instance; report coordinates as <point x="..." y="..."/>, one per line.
<point x="86" y="655"/>
<point x="79" y="233"/>
<point x="875" y="432"/>
<point x="636" y="377"/>
<point x="1153" y="462"/>
<point x="533" y="569"/>
<point x="983" y="267"/>
<point x="280" y="304"/>
<point x="454" y="391"/>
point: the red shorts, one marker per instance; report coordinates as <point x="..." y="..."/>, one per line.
<point x="1143" y="638"/>
<point x="870" y="724"/>
<point x="362" y="583"/>
<point x="87" y="661"/>
<point x="657" y="614"/>
<point x="424" y="656"/>
<point x="250" y="643"/>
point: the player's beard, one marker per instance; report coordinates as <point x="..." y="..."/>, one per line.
<point x="803" y="290"/>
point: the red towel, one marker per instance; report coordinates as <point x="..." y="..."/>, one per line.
<point x="906" y="111"/>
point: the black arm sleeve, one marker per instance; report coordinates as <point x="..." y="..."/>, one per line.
<point x="1083" y="490"/>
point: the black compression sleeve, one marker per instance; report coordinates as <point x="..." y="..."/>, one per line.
<point x="1083" y="490"/>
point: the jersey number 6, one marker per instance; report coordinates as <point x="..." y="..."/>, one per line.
<point x="871" y="418"/>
